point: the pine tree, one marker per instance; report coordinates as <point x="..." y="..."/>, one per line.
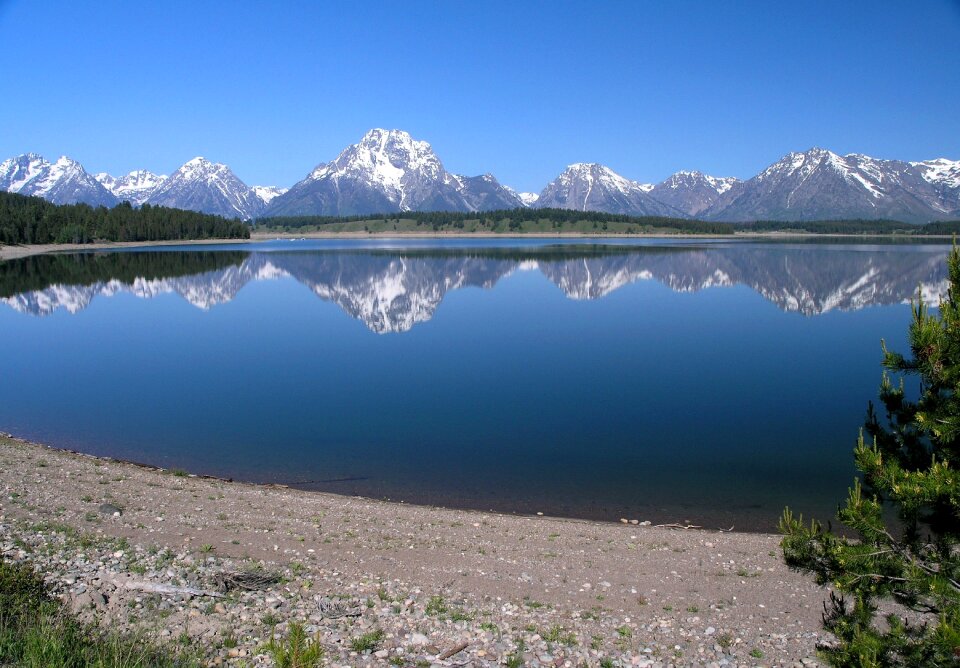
<point x="904" y="509"/>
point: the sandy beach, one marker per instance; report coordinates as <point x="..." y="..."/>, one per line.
<point x="423" y="580"/>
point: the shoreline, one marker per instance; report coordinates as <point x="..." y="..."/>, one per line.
<point x="548" y="588"/>
<point x="309" y="488"/>
<point x="26" y="250"/>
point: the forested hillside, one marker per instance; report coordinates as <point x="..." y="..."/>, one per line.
<point x="552" y="221"/>
<point x="32" y="220"/>
<point x="509" y="221"/>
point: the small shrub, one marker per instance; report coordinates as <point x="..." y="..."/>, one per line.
<point x="436" y="606"/>
<point x="36" y="631"/>
<point x="368" y="642"/>
<point x="297" y="651"/>
<point x="558" y="634"/>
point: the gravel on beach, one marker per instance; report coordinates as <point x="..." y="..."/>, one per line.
<point x="380" y="583"/>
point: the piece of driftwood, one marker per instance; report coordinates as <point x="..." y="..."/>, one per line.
<point x="247" y="580"/>
<point x="456" y="649"/>
<point x="677" y="526"/>
<point x="169" y="589"/>
<point x="337" y="609"/>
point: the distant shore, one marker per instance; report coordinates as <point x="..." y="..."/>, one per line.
<point x="24" y="250"/>
<point x="540" y="588"/>
<point x="18" y="251"/>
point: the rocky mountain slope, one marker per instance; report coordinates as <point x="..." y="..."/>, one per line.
<point x="388" y="171"/>
<point x="135" y="187"/>
<point x="594" y="187"/>
<point x="268" y="193"/>
<point x="62" y="182"/>
<point x="819" y="184"/>
<point x="692" y="193"/>
<point x="209" y="187"/>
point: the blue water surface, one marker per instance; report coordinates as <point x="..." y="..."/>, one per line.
<point x="662" y="380"/>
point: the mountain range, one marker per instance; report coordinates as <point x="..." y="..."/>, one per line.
<point x="393" y="291"/>
<point x="199" y="185"/>
<point x="388" y="172"/>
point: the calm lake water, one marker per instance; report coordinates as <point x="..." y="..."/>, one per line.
<point x="715" y="382"/>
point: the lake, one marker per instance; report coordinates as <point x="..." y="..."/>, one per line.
<point x="674" y="380"/>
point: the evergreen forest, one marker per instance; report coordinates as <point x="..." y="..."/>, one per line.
<point x="33" y="220"/>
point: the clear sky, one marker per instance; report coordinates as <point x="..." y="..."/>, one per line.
<point x="519" y="88"/>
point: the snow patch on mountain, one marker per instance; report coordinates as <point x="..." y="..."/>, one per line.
<point x="586" y="186"/>
<point x="940" y="171"/>
<point x="209" y="187"/>
<point x="388" y="171"/>
<point x="16" y="172"/>
<point x="390" y="159"/>
<point x="62" y="182"/>
<point x="135" y="187"/>
<point x="268" y="193"/>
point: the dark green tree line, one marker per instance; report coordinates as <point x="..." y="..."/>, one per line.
<point x="37" y="272"/>
<point x="508" y="219"/>
<point x="32" y="220"/>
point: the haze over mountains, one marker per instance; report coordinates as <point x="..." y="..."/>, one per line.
<point x="388" y="171"/>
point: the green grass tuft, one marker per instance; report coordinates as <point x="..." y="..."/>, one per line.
<point x="37" y="631"/>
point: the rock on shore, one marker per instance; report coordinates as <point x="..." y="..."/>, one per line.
<point x="389" y="584"/>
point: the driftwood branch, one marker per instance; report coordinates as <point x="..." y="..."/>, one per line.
<point x="338" y="609"/>
<point x="456" y="649"/>
<point x="247" y="580"/>
<point x="169" y="589"/>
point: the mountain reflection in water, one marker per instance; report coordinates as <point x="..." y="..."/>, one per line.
<point x="665" y="380"/>
<point x="391" y="291"/>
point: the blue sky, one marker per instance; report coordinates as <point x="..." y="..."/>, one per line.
<point x="518" y="89"/>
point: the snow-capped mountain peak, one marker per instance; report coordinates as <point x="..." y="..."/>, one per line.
<point x="525" y="199"/>
<point x="268" y="193"/>
<point x="62" y="182"/>
<point x="693" y="192"/>
<point x="689" y="179"/>
<point x="134" y="187"/>
<point x="594" y="173"/>
<point x="200" y="167"/>
<point x="528" y="199"/>
<point x="940" y="171"/>
<point x="17" y="172"/>
<point x="390" y="160"/>
<point x="799" y="162"/>
<point x="211" y="187"/>
<point x="389" y="171"/>
<point x="590" y="186"/>
<point x="820" y="184"/>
